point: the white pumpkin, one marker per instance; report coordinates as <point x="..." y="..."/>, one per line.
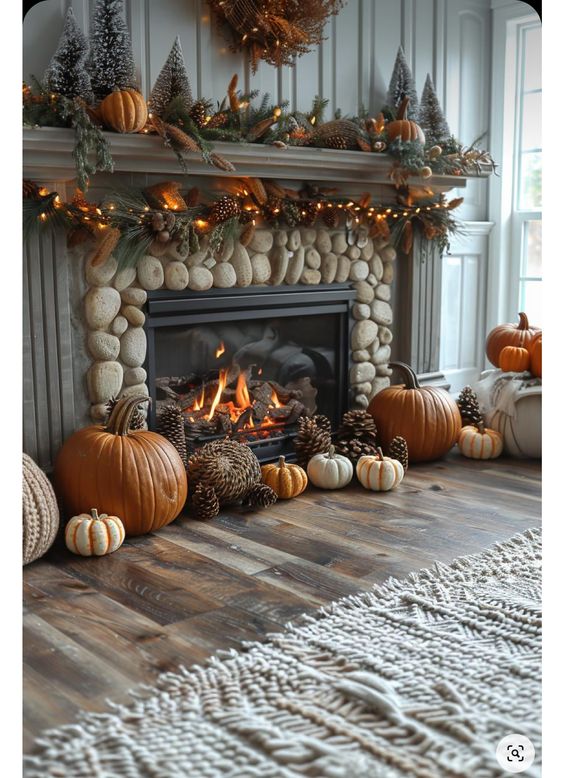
<point x="479" y="442"/>
<point x="94" y="535"/>
<point x="379" y="473"/>
<point x="330" y="471"/>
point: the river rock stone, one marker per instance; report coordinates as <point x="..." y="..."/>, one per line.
<point x="364" y="388"/>
<point x="361" y="311"/>
<point x="339" y="244"/>
<point x="383" y="292"/>
<point x="241" y="264"/>
<point x="134" y="389"/>
<point x="367" y="251"/>
<point x="388" y="254"/>
<point x="373" y="348"/>
<point x="103" y="346"/>
<point x="379" y="383"/>
<point x="225" y="250"/>
<point x="134" y="315"/>
<point x="353" y="252"/>
<point x="323" y="242"/>
<point x="376" y="266"/>
<point x="372" y="280"/>
<point x="176" y="276"/>
<point x="125" y="278"/>
<point x="364" y="292"/>
<point x="133" y="347"/>
<point x="134" y="375"/>
<point x="359" y="270"/>
<point x="173" y="250"/>
<point x="261" y="269"/>
<point x="101" y="306"/>
<point x="101" y="275"/>
<point x="224" y="275"/>
<point x="150" y="272"/>
<point x="329" y="264"/>
<point x="99" y="413"/>
<point x="311" y="276"/>
<point x="363" y="371"/>
<point x="312" y="258"/>
<point x="104" y="380"/>
<point x="119" y="325"/>
<point x="280" y="239"/>
<point x="200" y="279"/>
<point x="383" y="370"/>
<point x="381" y="312"/>
<point x="262" y="241"/>
<point x="294" y="240"/>
<point x="385" y="335"/>
<point x="363" y="334"/>
<point x="388" y="273"/>
<point x="308" y="236"/>
<point x="279" y="260"/>
<point x="342" y="270"/>
<point x="362" y="355"/>
<point x="295" y="266"/>
<point x="134" y="296"/>
<point x="361" y="401"/>
<point x="196" y="259"/>
<point x="382" y="355"/>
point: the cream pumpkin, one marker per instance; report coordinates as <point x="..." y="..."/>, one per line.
<point x="94" y="535"/>
<point x="379" y="473"/>
<point x="479" y="442"/>
<point x="330" y="471"/>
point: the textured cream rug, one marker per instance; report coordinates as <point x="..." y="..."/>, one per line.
<point x="420" y="677"/>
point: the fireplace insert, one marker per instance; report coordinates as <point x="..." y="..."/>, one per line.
<point x="248" y="363"/>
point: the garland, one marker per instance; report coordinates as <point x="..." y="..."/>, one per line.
<point x="131" y="223"/>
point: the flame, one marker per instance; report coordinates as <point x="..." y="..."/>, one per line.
<point x="222" y="385"/>
<point x="260" y="371"/>
<point x="241" y="393"/>
<point x="220" y="350"/>
<point x="199" y="402"/>
<point x="276" y="400"/>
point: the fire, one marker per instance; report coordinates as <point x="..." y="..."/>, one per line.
<point x="220" y="350"/>
<point x="241" y="393"/>
<point x="275" y="400"/>
<point x="220" y="388"/>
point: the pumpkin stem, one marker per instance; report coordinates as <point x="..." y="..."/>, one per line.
<point x="407" y="374"/>
<point x="402" y="110"/>
<point x="120" y="417"/>
<point x="523" y="324"/>
<point x="94" y="513"/>
<point x="281" y="462"/>
<point x="331" y="452"/>
<point x="481" y="427"/>
<point x="380" y="453"/>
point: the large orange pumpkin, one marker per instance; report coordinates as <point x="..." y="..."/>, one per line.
<point x="427" y="417"/>
<point x="402" y="127"/>
<point x="138" y="476"/>
<point x="520" y="335"/>
<point x="124" y="111"/>
<point x="535" y="356"/>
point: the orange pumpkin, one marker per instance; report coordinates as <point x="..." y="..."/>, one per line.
<point x="402" y="127"/>
<point x="520" y="334"/>
<point x="286" y="480"/>
<point x="535" y="356"/>
<point x="513" y="359"/>
<point x="138" y="476"/>
<point x="124" y="111"/>
<point x="427" y="417"/>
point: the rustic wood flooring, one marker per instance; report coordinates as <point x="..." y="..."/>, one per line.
<point x="94" y="628"/>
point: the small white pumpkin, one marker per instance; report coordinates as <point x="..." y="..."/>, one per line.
<point x="379" y="473"/>
<point x="330" y="471"/>
<point x="94" y="535"/>
<point x="479" y="442"/>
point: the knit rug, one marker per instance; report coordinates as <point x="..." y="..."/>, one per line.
<point x="420" y="677"/>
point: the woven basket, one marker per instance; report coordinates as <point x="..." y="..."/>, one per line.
<point x="40" y="512"/>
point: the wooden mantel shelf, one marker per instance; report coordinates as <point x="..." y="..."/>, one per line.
<point x="48" y="157"/>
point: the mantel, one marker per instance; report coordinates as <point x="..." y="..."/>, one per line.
<point x="48" y="157"/>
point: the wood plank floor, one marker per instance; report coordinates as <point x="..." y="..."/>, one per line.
<point x="94" y="628"/>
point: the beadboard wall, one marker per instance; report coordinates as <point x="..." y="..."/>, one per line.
<point x="450" y="39"/>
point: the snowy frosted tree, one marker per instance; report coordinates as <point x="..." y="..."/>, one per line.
<point x="402" y="85"/>
<point x="66" y="74"/>
<point x="430" y="115"/>
<point x="111" y="62"/>
<point x="172" y="81"/>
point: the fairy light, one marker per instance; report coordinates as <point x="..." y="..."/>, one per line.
<point x="43" y="216"/>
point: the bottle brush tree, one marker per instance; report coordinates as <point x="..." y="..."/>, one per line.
<point x="172" y="82"/>
<point x="111" y="62"/>
<point x="431" y="117"/>
<point x="66" y="74"/>
<point x="402" y="85"/>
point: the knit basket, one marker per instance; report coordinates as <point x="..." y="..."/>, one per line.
<point x="40" y="512"/>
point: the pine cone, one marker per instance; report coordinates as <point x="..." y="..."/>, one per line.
<point x="398" y="449"/>
<point x="336" y="142"/>
<point x="291" y="213"/>
<point x="179" y="140"/>
<point x="358" y="425"/>
<point x="217" y="120"/>
<point x="198" y="113"/>
<point x="262" y="496"/>
<point x="205" y="502"/>
<point x="337" y="134"/>
<point x="354" y="449"/>
<point x="469" y="407"/>
<point x="330" y="217"/>
<point x="323" y="422"/>
<point x="310" y="440"/>
<point x="137" y="419"/>
<point x="170" y="424"/>
<point x="223" y="209"/>
<point x="307" y="213"/>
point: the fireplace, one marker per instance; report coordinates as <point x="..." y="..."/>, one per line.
<point x="248" y="363"/>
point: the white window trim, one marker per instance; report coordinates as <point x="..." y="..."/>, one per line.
<point x="504" y="272"/>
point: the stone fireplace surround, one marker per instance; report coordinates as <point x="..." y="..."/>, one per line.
<point x="114" y="300"/>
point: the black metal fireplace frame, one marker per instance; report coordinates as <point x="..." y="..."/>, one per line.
<point x="166" y="308"/>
